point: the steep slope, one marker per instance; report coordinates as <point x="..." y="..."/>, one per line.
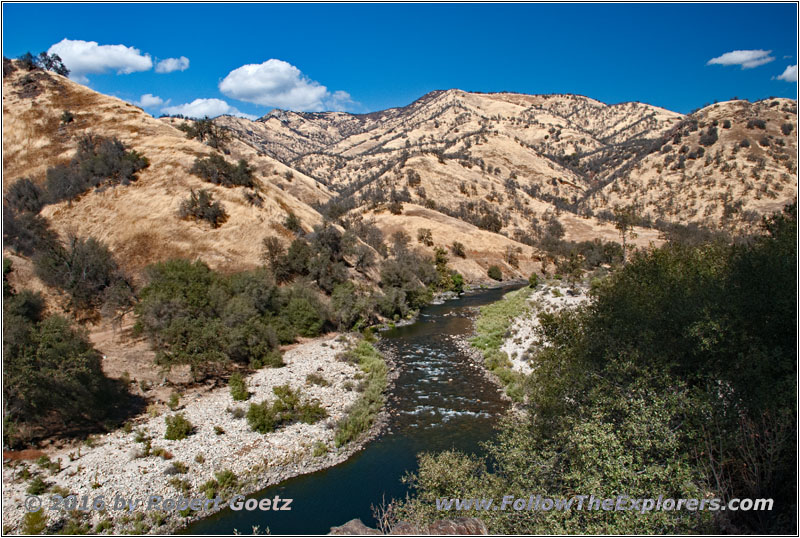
<point x="723" y="166"/>
<point x="139" y="222"/>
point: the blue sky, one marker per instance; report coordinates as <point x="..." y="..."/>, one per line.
<point x="250" y="58"/>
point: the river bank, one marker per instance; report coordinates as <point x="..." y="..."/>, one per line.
<point x="137" y="461"/>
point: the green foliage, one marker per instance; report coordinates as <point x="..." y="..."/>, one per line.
<point x="289" y="406"/>
<point x="292" y="223"/>
<point x="50" y="371"/>
<point x="67" y="117"/>
<point x="238" y="388"/>
<point x="201" y="206"/>
<point x="458" y="282"/>
<point x="533" y="280"/>
<point x="87" y="271"/>
<point x="97" y="161"/>
<point x="663" y="383"/>
<point x="361" y="415"/>
<point x="350" y="308"/>
<point x="225" y="484"/>
<point x="178" y="427"/>
<point x="34" y="522"/>
<point x="215" y="169"/>
<point x="197" y="317"/>
<point x="491" y="328"/>
<point x="495" y="273"/>
<point x="425" y="237"/>
<point x="37" y="486"/>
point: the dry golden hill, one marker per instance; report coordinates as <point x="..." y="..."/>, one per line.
<point x="139" y="222"/>
<point x="723" y="166"/>
<point x="505" y="162"/>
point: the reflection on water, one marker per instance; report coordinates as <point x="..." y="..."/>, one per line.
<point x="440" y="401"/>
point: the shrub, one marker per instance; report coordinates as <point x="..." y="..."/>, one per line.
<point x="201" y="206"/>
<point x="726" y="124"/>
<point x="292" y="223"/>
<point x="290" y="406"/>
<point x="495" y="273"/>
<point x="238" y="387"/>
<point x="305" y="315"/>
<point x="25" y="195"/>
<point x="709" y="137"/>
<point x="34" y="522"/>
<point x="745" y="143"/>
<point x="215" y="169"/>
<point x="533" y="280"/>
<point x="178" y="427"/>
<point x="26" y="232"/>
<point x="396" y="208"/>
<point x="759" y="123"/>
<point x="425" y="237"/>
<point x="786" y="128"/>
<point x="205" y="130"/>
<point x="97" y="160"/>
<point x="316" y="379"/>
<point x="67" y="117"/>
<point x="86" y="270"/>
<point x="52" y="376"/>
<point x="37" y="486"/>
<point x="458" y="249"/>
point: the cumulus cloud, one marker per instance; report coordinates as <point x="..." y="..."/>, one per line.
<point x="85" y="57"/>
<point x="172" y="64"/>
<point x="339" y="101"/>
<point x="149" y="100"/>
<point x="789" y="74"/>
<point x="746" y="58"/>
<point x="200" y="108"/>
<point x="279" y="84"/>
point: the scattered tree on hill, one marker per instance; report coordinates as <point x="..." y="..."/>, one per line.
<point x="201" y="206"/>
<point x="215" y="169"/>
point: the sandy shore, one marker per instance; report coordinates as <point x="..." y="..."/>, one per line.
<point x="114" y="465"/>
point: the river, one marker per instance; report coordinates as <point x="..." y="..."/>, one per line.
<point x="440" y="400"/>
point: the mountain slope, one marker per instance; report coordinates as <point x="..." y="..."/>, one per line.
<point x="139" y="222"/>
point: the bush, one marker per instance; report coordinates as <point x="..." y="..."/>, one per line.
<point x="25" y="195"/>
<point x="759" y="123"/>
<point x="205" y="130"/>
<point x="201" y="206"/>
<point x="787" y="128"/>
<point x="533" y="280"/>
<point x="215" y="169"/>
<point x="34" y="522"/>
<point x="197" y="317"/>
<point x="86" y="270"/>
<point x="709" y="137"/>
<point x="495" y="273"/>
<point x="396" y="208"/>
<point x="425" y="237"/>
<point x="178" y="427"/>
<point x="238" y="387"/>
<point x="292" y="223"/>
<point x="458" y="249"/>
<point x="52" y="376"/>
<point x="97" y="161"/>
<point x="290" y="406"/>
<point x="67" y="117"/>
<point x="26" y="232"/>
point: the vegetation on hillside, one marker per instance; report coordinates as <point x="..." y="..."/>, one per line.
<point x="679" y="379"/>
<point x="52" y="380"/>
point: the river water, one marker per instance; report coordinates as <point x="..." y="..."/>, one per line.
<point x="440" y="400"/>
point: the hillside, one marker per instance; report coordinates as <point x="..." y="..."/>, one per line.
<point x="506" y="161"/>
<point x="139" y="222"/>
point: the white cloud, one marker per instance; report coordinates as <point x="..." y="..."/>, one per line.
<point x="746" y="58"/>
<point x="149" y="100"/>
<point x="172" y="64"/>
<point x="789" y="74"/>
<point x="339" y="101"/>
<point x="200" y="108"/>
<point x="276" y="83"/>
<point x="85" y="57"/>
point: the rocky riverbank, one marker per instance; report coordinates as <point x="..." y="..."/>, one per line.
<point x="137" y="462"/>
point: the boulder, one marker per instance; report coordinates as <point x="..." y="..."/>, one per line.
<point x="353" y="527"/>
